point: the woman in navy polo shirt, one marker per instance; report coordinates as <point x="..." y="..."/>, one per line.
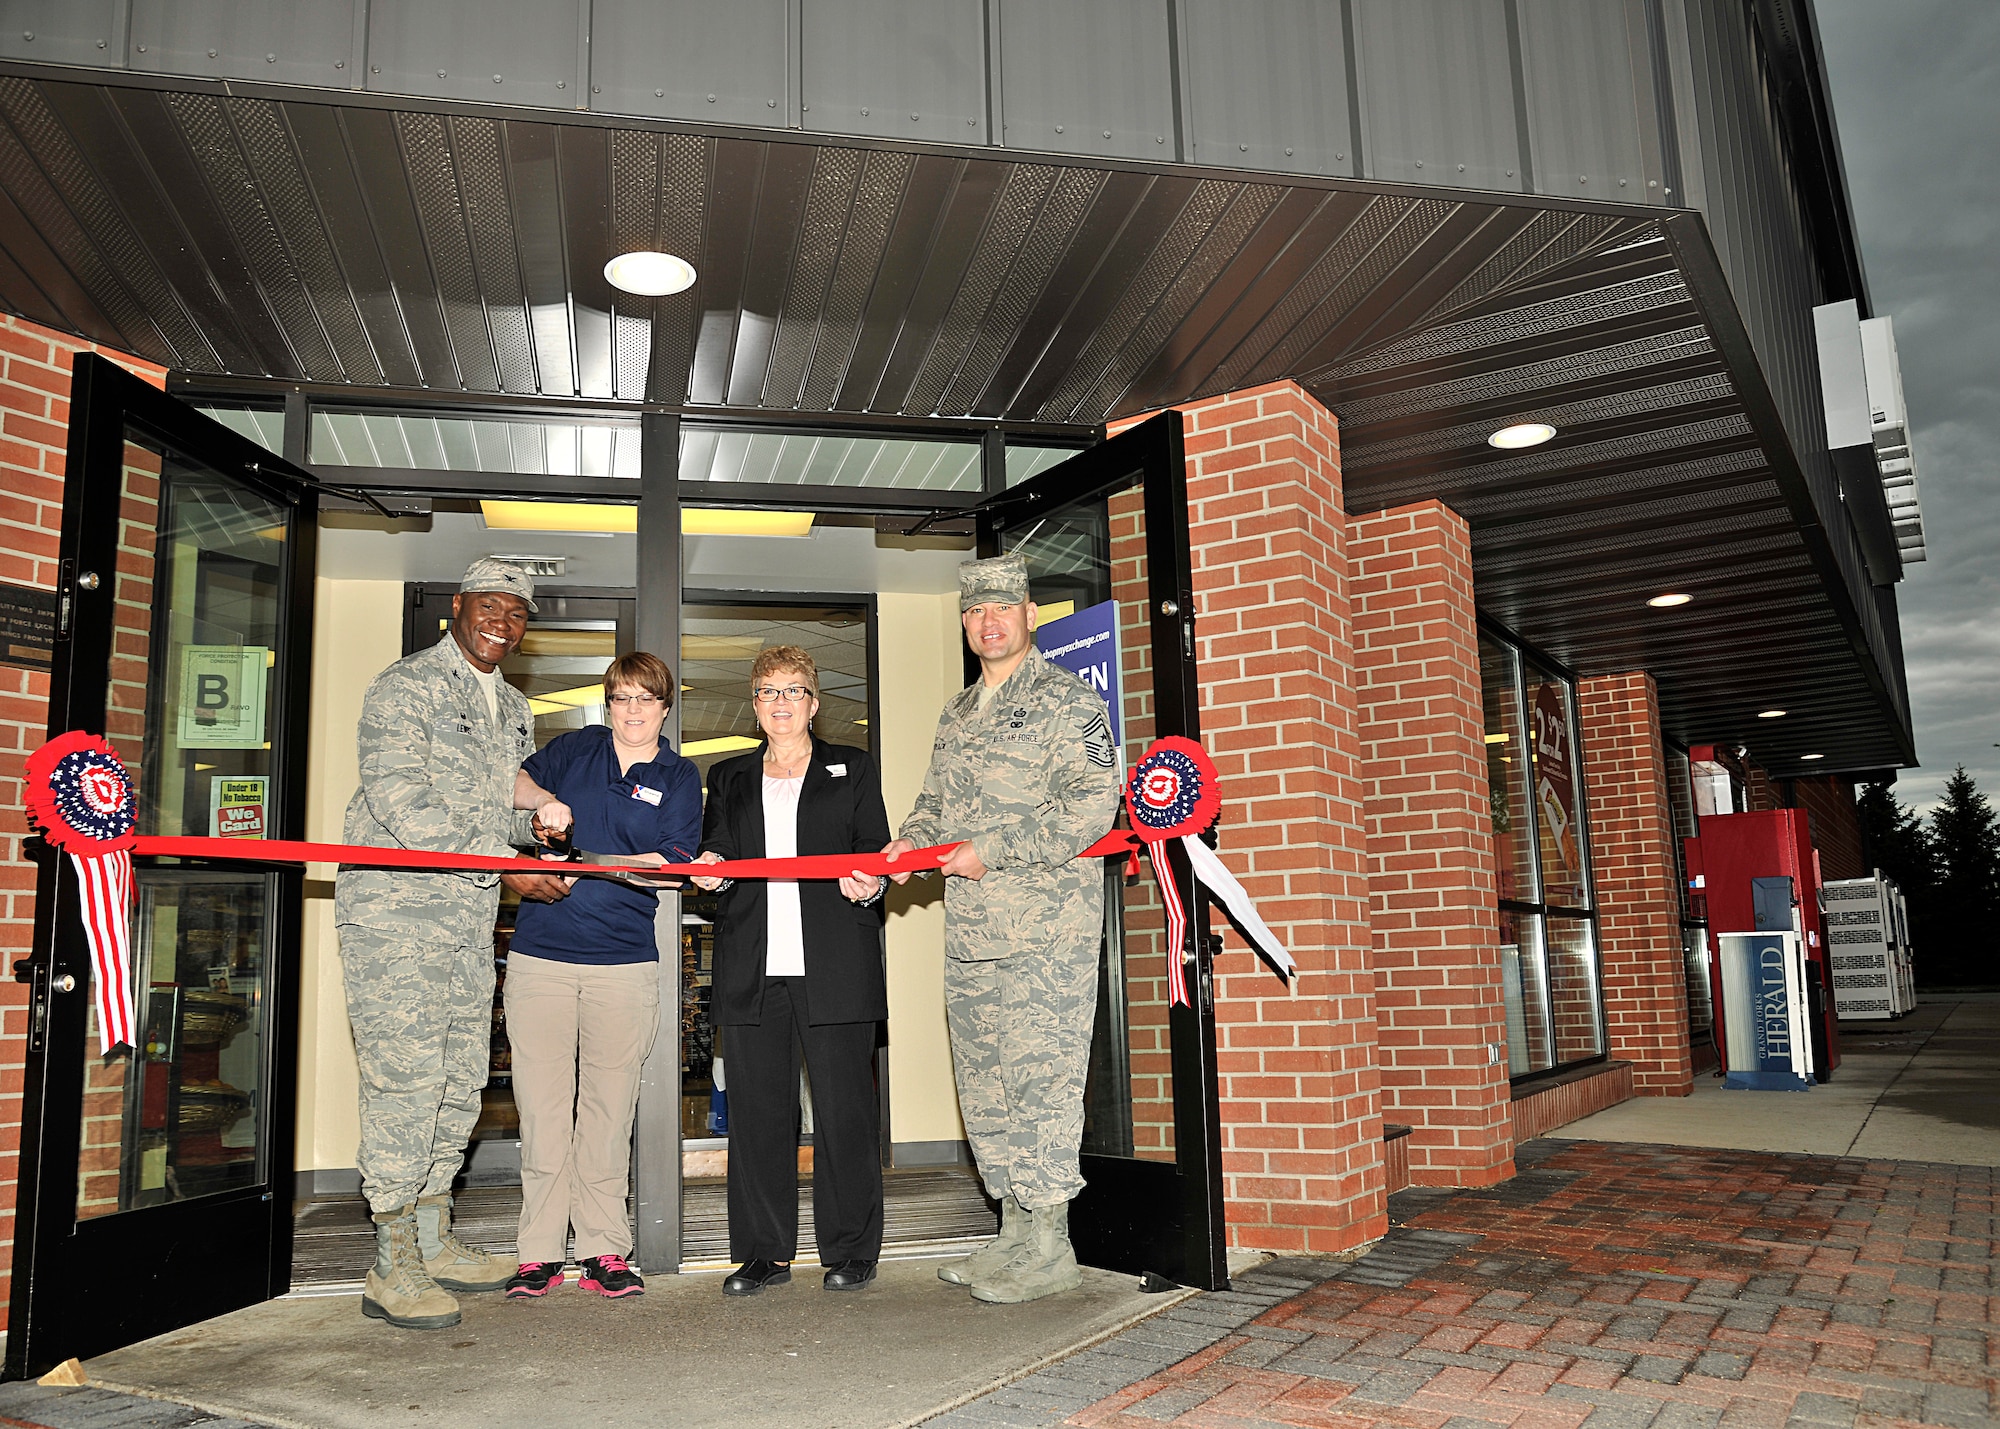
<point x="583" y="987"/>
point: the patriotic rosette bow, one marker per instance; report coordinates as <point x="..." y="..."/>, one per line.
<point x="1175" y="793"/>
<point x="80" y="796"/>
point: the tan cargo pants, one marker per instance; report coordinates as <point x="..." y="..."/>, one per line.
<point x="580" y="1033"/>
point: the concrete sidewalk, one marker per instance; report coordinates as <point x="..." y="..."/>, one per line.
<point x="1736" y="1280"/>
<point x="1923" y="1088"/>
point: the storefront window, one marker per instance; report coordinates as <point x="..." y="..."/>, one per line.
<point x="1507" y="766"/>
<point x="803" y="459"/>
<point x="1558" y="813"/>
<point x="1548" y="935"/>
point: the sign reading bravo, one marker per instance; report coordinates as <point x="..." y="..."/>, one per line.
<point x="222" y="696"/>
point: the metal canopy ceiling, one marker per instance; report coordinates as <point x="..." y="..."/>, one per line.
<point x="262" y="232"/>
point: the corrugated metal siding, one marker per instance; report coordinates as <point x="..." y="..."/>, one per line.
<point x="1296" y="118"/>
<point x="1438" y="93"/>
<point x="1750" y="197"/>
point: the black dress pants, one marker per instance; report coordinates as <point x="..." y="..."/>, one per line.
<point x="762" y="1061"/>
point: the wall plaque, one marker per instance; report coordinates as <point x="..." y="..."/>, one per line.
<point x="27" y="626"/>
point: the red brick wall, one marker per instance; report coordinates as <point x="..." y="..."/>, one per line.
<point x="34" y="413"/>
<point x="1300" y="1090"/>
<point x="1625" y="785"/>
<point x="1438" y="1000"/>
<point x="1828" y="800"/>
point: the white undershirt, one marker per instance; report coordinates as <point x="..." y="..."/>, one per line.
<point x="784" y="930"/>
<point x="489" y="681"/>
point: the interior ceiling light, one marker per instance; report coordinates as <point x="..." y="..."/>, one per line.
<point x="1521" y="434"/>
<point x="1812" y="756"/>
<point x="696" y="521"/>
<point x="1671" y="598"/>
<point x="728" y="742"/>
<point x="582" y="517"/>
<point x="1770" y="714"/>
<point x="648" y="274"/>
<point x="1500" y="738"/>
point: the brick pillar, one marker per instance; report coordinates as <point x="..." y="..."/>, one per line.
<point x="1631" y="845"/>
<point x="1300" y="1091"/>
<point x="34" y="417"/>
<point x="1438" y="1000"/>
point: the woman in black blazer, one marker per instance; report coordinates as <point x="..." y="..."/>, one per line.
<point x="798" y="965"/>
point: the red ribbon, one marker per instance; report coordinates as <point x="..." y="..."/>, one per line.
<point x="807" y="868"/>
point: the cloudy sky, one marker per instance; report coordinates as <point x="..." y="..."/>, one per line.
<point x="1916" y="93"/>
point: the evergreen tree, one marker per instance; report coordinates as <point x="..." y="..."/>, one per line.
<point x="1893" y="840"/>
<point x="1965" y="853"/>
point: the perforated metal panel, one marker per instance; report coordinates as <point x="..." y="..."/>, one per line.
<point x="1086" y="79"/>
<point x="247" y="39"/>
<point x="1294" y="118"/>
<point x="894" y="70"/>
<point x="689" y="59"/>
<point x="499" y="51"/>
<point x="1438" y="94"/>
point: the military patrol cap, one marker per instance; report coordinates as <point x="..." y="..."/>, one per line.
<point x="1002" y="580"/>
<point x="492" y="573"/>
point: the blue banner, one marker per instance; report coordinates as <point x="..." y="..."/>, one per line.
<point x="1086" y="644"/>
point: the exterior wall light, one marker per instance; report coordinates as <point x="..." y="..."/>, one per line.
<point x="1770" y="714"/>
<point x="1672" y="598"/>
<point x="649" y="275"/>
<point x="1521" y="434"/>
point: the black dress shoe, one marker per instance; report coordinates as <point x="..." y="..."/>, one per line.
<point x="755" y="1275"/>
<point x="850" y="1274"/>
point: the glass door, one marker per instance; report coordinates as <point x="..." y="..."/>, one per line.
<point x="186" y="567"/>
<point x="1105" y="535"/>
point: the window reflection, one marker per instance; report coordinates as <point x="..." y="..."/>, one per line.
<point x="1548" y="941"/>
<point x="1507" y="773"/>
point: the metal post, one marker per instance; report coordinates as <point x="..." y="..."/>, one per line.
<point x="656" y="1135"/>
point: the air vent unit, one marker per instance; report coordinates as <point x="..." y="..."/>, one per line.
<point x="1891" y="428"/>
<point x="540" y="567"/>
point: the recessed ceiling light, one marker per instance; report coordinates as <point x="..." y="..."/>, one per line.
<point x="650" y="275"/>
<point x="1661" y="602"/>
<point x="1521" y="434"/>
<point x="1770" y="714"/>
<point x="1812" y="756"/>
<point x="705" y="521"/>
<point x="583" y="518"/>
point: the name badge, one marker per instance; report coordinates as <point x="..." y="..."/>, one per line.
<point x="640" y="791"/>
<point x="838" y="771"/>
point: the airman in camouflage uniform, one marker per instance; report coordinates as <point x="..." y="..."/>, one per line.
<point x="441" y="738"/>
<point x="1025" y="773"/>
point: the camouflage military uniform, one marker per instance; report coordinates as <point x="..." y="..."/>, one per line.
<point x="417" y="948"/>
<point x="1031" y="780"/>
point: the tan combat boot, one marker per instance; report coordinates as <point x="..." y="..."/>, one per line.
<point x="1044" y="1265"/>
<point x="996" y="1252"/>
<point x="450" y="1261"/>
<point x="398" y="1290"/>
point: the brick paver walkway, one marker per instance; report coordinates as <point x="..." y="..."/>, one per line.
<point x="1609" y="1286"/>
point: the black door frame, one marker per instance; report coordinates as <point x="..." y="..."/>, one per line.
<point x="1117" y="1222"/>
<point x="188" y="1260"/>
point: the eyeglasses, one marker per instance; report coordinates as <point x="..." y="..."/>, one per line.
<point x="644" y="702"/>
<point x="792" y="694"/>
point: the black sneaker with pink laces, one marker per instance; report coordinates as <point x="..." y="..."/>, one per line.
<point x="611" y="1277"/>
<point x="534" y="1279"/>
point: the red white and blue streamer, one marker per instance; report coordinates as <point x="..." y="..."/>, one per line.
<point x="80" y="795"/>
<point x="1175" y="792"/>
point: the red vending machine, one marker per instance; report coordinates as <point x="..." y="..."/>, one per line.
<point x="1759" y="875"/>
